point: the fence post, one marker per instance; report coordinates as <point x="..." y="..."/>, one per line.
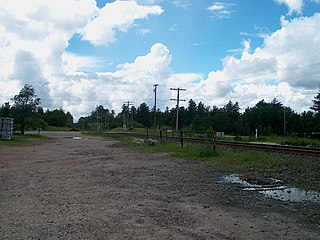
<point x="181" y="138"/>
<point x="147" y="134"/>
<point x="161" y="135"/>
<point x="214" y="139"/>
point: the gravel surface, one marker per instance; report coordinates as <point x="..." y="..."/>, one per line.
<point x="80" y="187"/>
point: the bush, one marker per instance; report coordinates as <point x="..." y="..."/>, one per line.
<point x="206" y="152"/>
<point x="238" y="138"/>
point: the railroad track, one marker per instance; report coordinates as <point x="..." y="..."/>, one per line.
<point x="298" y="150"/>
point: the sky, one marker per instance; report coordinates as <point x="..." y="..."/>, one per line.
<point x="78" y="54"/>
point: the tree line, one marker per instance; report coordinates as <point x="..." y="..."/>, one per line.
<point x="267" y="117"/>
<point x="29" y="115"/>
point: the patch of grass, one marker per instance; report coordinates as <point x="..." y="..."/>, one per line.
<point x="295" y="141"/>
<point x="53" y="128"/>
<point x="23" y="140"/>
<point x="297" y="170"/>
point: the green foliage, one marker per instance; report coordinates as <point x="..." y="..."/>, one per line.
<point x="23" y="140"/>
<point x="28" y="114"/>
<point x="58" y="118"/>
<point x="143" y="115"/>
<point x="206" y="151"/>
<point x="316" y="103"/>
<point x="105" y="119"/>
<point x="25" y="106"/>
<point x="305" y="171"/>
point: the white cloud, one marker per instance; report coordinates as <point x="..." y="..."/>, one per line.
<point x="34" y="35"/>
<point x="174" y="28"/>
<point x="285" y="67"/>
<point x="81" y="92"/>
<point x="75" y="63"/>
<point x="221" y="10"/>
<point x="216" y="7"/>
<point x="180" y="4"/>
<point x="118" y="15"/>
<point x="148" y="2"/>
<point x="34" y="38"/>
<point x="144" y="31"/>
<point x="33" y="41"/>
<point x="293" y="5"/>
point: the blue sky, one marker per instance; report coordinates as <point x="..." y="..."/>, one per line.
<point x="197" y="38"/>
<point x="107" y="52"/>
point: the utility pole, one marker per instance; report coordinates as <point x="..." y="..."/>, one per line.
<point x="178" y="100"/>
<point x="126" y="119"/>
<point x="284" y="123"/>
<point x="97" y="119"/>
<point x="155" y="106"/>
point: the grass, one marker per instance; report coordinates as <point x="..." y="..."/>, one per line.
<point x="53" y="128"/>
<point x="295" y="141"/>
<point x="23" y="140"/>
<point x="296" y="170"/>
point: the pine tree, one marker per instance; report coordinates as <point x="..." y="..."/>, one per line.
<point x="316" y="103"/>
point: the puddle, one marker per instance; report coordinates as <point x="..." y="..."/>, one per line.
<point x="77" y="138"/>
<point x="293" y="195"/>
<point x="283" y="193"/>
<point x="235" y="178"/>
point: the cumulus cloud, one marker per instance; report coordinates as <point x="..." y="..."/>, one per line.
<point x="33" y="41"/>
<point x="293" y="5"/>
<point x="131" y="81"/>
<point x="221" y="10"/>
<point x="119" y="15"/>
<point x="34" y="36"/>
<point x="286" y="67"/>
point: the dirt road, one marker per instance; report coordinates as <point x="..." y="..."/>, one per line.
<point x="80" y="187"/>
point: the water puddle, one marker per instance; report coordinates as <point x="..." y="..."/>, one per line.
<point x="293" y="195"/>
<point x="77" y="138"/>
<point x="282" y="192"/>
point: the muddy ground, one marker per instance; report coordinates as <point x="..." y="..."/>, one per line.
<point x="93" y="188"/>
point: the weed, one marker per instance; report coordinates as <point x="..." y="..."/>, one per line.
<point x="23" y="140"/>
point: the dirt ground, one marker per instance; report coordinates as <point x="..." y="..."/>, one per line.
<point x="92" y="188"/>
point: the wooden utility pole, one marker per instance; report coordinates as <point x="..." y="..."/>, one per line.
<point x="178" y="100"/>
<point x="126" y="118"/>
<point x="155" y="106"/>
<point x="284" y="123"/>
<point x="97" y="119"/>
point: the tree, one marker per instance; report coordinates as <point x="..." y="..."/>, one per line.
<point x="143" y="115"/>
<point x="231" y="112"/>
<point x="25" y="105"/>
<point x="5" y="110"/>
<point x="316" y="103"/>
<point x="316" y="108"/>
<point x="192" y="111"/>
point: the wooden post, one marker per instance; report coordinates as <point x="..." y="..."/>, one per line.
<point x="161" y="135"/>
<point x="181" y="138"/>
<point x="147" y="134"/>
<point x="214" y="139"/>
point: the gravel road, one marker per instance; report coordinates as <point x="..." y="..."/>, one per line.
<point x="82" y="187"/>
